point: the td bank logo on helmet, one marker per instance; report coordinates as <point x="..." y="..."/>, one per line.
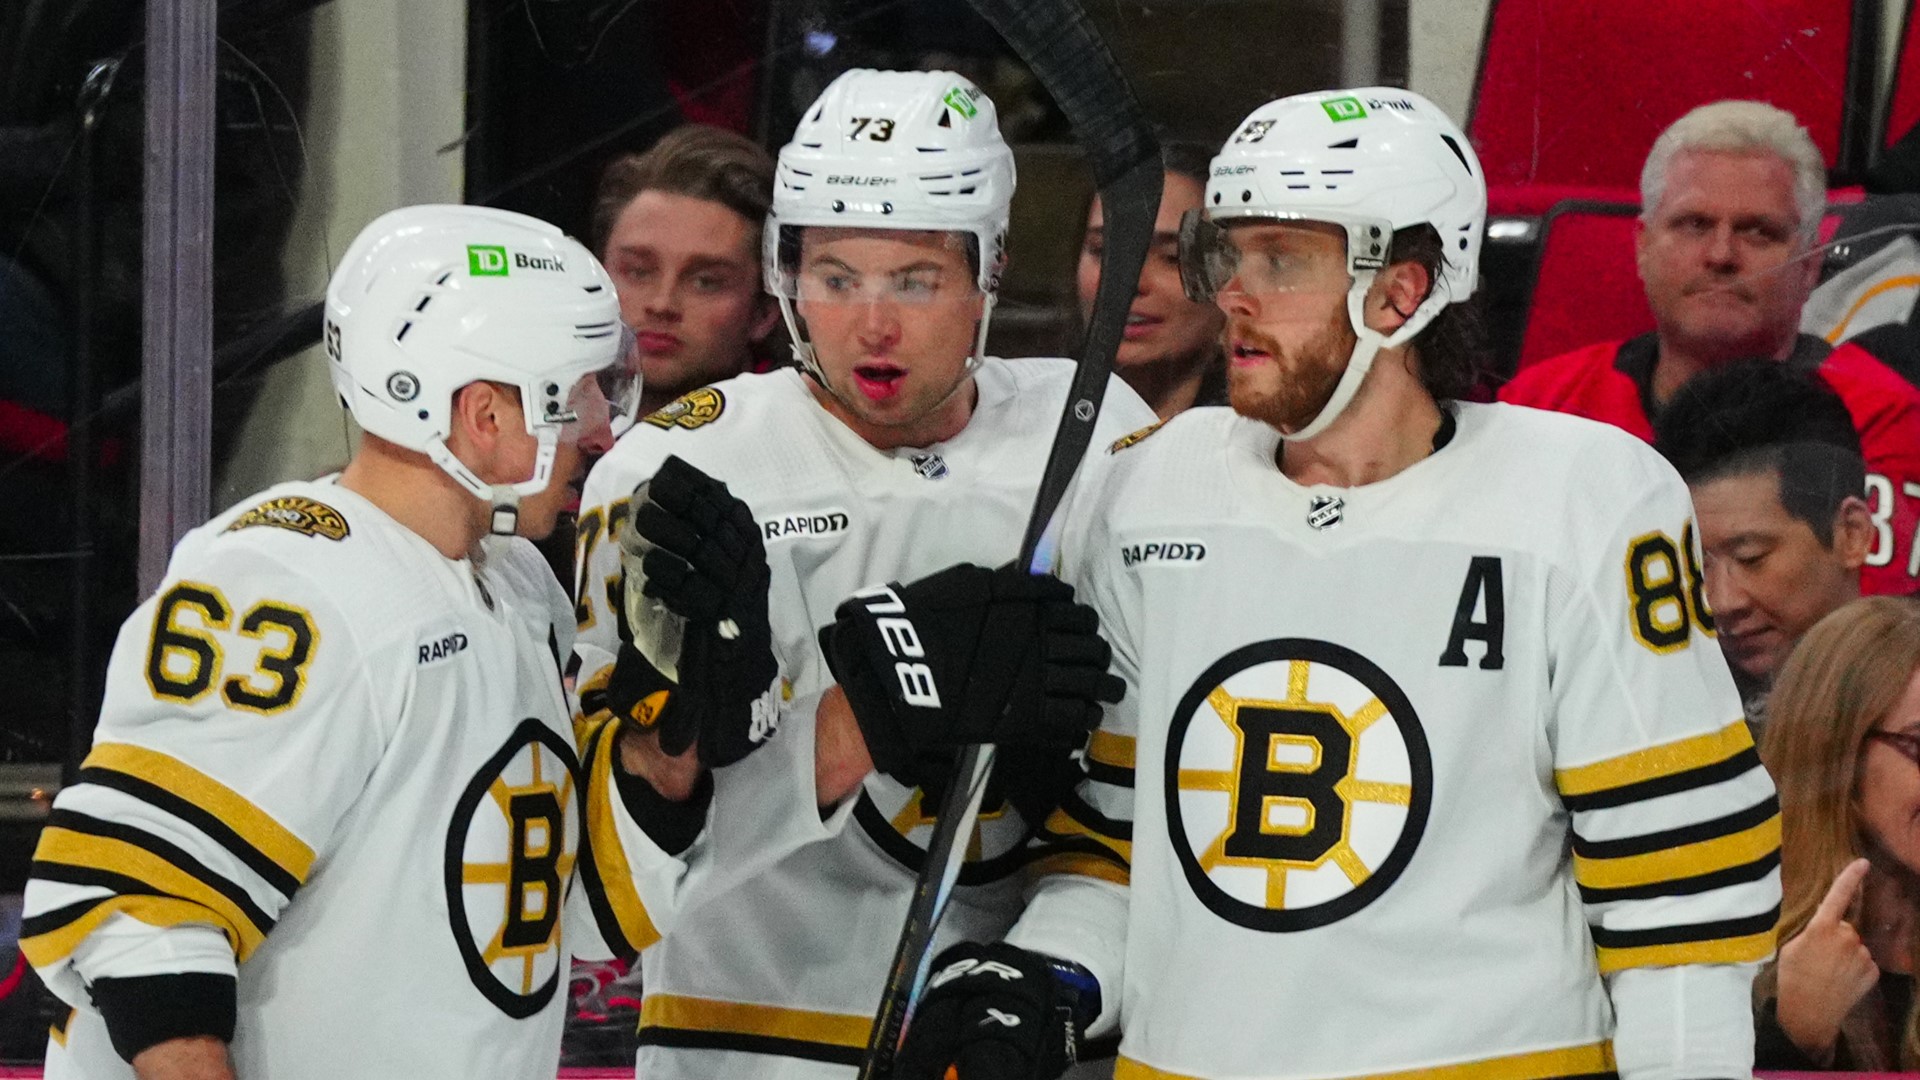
<point x="491" y="260"/>
<point x="1353" y="108"/>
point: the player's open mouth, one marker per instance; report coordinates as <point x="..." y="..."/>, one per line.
<point x="1247" y="355"/>
<point x="879" y="381"/>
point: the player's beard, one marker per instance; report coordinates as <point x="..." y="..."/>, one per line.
<point x="1289" y="392"/>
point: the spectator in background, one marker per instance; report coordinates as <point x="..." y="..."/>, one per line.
<point x="1843" y="747"/>
<point x="1773" y="462"/>
<point x="1170" y="353"/>
<point x="1732" y="197"/>
<point x="678" y="227"/>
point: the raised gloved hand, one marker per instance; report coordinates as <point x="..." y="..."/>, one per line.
<point x="969" y="655"/>
<point x="997" y="1012"/>
<point x="701" y="667"/>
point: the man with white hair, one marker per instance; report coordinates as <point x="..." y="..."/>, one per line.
<point x="1732" y="196"/>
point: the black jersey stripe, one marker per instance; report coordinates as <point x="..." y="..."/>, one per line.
<point x="1687" y="886"/>
<point x="1687" y="932"/>
<point x="1623" y="847"/>
<point x="282" y="879"/>
<point x="178" y="857"/>
<point x="770" y="1045"/>
<point x="1703" y="776"/>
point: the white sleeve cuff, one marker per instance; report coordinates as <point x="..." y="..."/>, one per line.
<point x="123" y="947"/>
<point x="1689" y="1022"/>
<point x="1082" y="920"/>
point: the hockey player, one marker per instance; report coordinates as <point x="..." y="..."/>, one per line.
<point x="894" y="450"/>
<point x="330" y="812"/>
<point x="1428" y="764"/>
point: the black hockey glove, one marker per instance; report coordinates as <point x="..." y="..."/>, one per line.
<point x="996" y="1012"/>
<point x="695" y="548"/>
<point x="969" y="655"/>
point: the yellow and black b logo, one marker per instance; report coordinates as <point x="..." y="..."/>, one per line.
<point x="1298" y="781"/>
<point x="511" y="847"/>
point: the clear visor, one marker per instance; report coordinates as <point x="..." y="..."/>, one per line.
<point x="601" y="405"/>
<point x="1261" y="256"/>
<point x="823" y="265"/>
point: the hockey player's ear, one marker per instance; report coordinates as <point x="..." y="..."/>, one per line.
<point x="1398" y="290"/>
<point x="481" y="412"/>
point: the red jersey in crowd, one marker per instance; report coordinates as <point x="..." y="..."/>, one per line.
<point x="1613" y="382"/>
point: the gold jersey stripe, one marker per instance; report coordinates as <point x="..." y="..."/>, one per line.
<point x="45" y="950"/>
<point x="1538" y="1065"/>
<point x="1741" y="950"/>
<point x="742" y="1018"/>
<point x="69" y="848"/>
<point x="1685" y="861"/>
<point x="1656" y="762"/>
<point x="255" y="826"/>
<point x="609" y="858"/>
<point x="1075" y="862"/>
<point x="1109" y="749"/>
<point x="58" y="1031"/>
<point x="1061" y="823"/>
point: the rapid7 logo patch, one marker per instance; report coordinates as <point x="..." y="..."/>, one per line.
<point x="903" y="644"/>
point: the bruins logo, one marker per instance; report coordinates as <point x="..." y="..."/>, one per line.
<point x="295" y="513"/>
<point x="900" y="821"/>
<point x="689" y="411"/>
<point x="1125" y="441"/>
<point x="510" y="852"/>
<point x="1298" y="782"/>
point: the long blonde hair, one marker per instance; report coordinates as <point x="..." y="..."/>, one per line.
<point x="1842" y="680"/>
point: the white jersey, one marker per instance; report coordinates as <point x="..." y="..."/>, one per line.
<point x="340" y="765"/>
<point x="773" y="959"/>
<point x="1428" y="777"/>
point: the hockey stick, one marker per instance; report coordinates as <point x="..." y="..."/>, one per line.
<point x="1058" y="42"/>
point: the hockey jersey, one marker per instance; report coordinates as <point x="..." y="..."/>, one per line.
<point x="767" y="945"/>
<point x="1613" y="382"/>
<point x="340" y="765"/>
<point x="1419" y="778"/>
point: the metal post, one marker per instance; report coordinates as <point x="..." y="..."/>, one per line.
<point x="1360" y="43"/>
<point x="177" y="361"/>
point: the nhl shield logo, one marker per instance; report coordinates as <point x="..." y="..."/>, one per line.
<point x="930" y="465"/>
<point x="1326" y="511"/>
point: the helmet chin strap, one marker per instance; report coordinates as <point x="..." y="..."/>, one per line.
<point x="1366" y="346"/>
<point x="503" y="500"/>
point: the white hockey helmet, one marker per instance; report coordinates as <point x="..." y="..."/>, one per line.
<point x="1372" y="161"/>
<point x="429" y="299"/>
<point x="911" y="150"/>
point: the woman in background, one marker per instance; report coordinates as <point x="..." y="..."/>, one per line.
<point x="1170" y="353"/>
<point x="1843" y="744"/>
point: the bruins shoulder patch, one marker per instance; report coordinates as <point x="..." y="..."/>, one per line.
<point x="692" y="410"/>
<point x="1125" y="441"/>
<point x="295" y="513"/>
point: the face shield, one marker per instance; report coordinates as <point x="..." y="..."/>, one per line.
<point x="1276" y="256"/>
<point x="823" y="265"/>
<point x="600" y="405"/>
